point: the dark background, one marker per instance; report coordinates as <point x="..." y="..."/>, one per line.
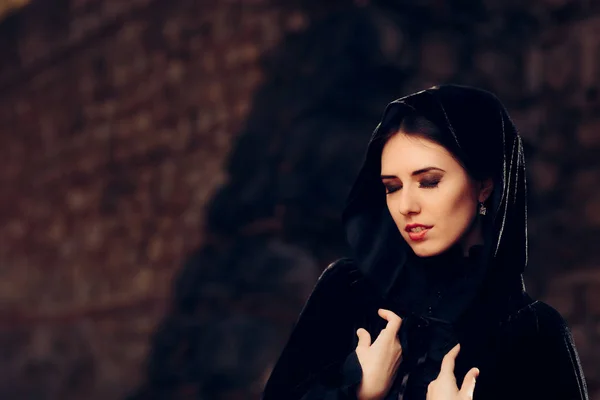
<point x="172" y="172"/>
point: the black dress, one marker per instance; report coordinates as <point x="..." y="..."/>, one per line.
<point x="523" y="347"/>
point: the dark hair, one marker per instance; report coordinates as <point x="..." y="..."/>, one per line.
<point x="416" y="124"/>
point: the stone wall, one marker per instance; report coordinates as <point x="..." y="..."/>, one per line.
<point x="117" y="118"/>
<point x="174" y="171"/>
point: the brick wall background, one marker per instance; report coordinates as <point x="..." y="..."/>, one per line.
<point x="163" y="189"/>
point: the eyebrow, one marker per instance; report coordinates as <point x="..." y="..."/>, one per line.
<point x="415" y="173"/>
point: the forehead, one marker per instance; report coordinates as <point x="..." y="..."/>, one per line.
<point x="407" y="153"/>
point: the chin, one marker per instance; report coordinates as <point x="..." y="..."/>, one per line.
<point x="426" y="250"/>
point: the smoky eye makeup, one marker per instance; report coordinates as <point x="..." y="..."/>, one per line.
<point x="391" y="188"/>
<point x="390" y="184"/>
<point x="429" y="181"/>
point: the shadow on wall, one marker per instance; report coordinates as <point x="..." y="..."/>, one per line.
<point x="275" y="225"/>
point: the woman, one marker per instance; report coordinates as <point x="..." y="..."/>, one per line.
<point x="437" y="221"/>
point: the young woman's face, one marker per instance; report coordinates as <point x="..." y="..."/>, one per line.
<point x="430" y="196"/>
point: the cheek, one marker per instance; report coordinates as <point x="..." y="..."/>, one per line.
<point x="458" y="213"/>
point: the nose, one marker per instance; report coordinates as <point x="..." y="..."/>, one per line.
<point x="407" y="204"/>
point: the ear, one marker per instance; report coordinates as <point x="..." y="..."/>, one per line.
<point x="485" y="189"/>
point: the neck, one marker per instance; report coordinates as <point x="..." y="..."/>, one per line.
<point x="473" y="237"/>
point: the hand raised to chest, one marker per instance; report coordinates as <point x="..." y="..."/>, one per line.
<point x="444" y="386"/>
<point x="379" y="360"/>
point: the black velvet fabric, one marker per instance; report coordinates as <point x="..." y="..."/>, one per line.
<point x="522" y="347"/>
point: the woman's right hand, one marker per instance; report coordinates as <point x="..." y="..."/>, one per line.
<point x="379" y="361"/>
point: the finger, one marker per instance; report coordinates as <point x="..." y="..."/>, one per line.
<point x="449" y="361"/>
<point x="394" y="321"/>
<point x="364" y="338"/>
<point x="468" y="386"/>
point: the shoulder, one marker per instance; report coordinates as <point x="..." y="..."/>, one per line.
<point x="534" y="320"/>
<point x="537" y="348"/>
<point x="548" y="320"/>
<point x="538" y="336"/>
<point x="339" y="272"/>
<point x="538" y="320"/>
<point x="554" y="355"/>
<point x="337" y="283"/>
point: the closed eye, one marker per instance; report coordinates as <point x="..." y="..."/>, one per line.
<point x="424" y="184"/>
<point x="429" y="183"/>
<point x="392" y="188"/>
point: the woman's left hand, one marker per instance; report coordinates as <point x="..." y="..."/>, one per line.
<point x="444" y="386"/>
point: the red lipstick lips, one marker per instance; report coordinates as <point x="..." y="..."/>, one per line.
<point x="419" y="234"/>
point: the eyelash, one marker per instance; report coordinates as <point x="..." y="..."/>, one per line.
<point x="429" y="184"/>
<point x="425" y="184"/>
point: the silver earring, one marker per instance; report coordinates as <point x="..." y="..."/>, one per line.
<point x="482" y="209"/>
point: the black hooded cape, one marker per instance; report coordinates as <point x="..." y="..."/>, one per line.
<point x="523" y="347"/>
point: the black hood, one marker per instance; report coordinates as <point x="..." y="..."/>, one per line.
<point x="488" y="141"/>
